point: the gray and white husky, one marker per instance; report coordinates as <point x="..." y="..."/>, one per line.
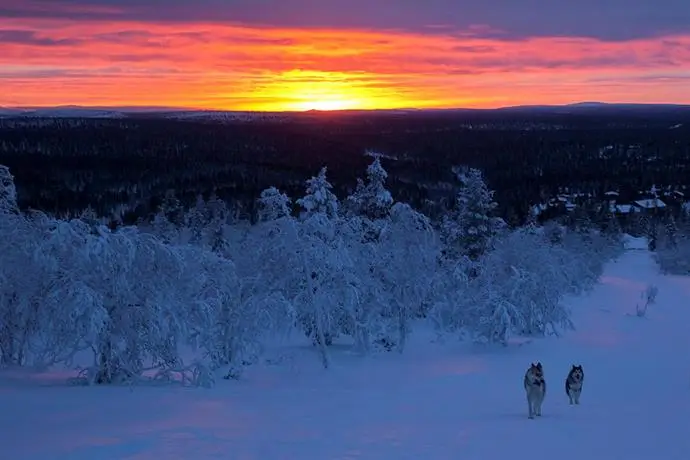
<point x="535" y="387"/>
<point x="573" y="383"/>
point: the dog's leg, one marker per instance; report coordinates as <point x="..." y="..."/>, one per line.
<point x="570" y="397"/>
<point x="530" y="408"/>
<point x="577" y="396"/>
<point x="538" y="408"/>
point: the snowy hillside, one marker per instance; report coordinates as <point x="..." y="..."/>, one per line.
<point x="331" y="328"/>
<point x="437" y="402"/>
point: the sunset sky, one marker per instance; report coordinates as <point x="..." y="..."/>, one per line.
<point x="340" y="54"/>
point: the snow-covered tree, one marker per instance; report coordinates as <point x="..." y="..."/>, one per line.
<point x="402" y="264"/>
<point x="673" y="249"/>
<point x="671" y="232"/>
<point x="8" y="192"/>
<point x="319" y="199"/>
<point x="206" y="223"/>
<point x="371" y="198"/>
<point x="265" y="257"/>
<point x="71" y="309"/>
<point x="522" y="271"/>
<point x="222" y="322"/>
<point x="470" y="227"/>
<point x="394" y="250"/>
<point x="325" y="273"/>
<point x="136" y="280"/>
<point x="328" y="291"/>
<point x="164" y="229"/>
<point x="196" y="220"/>
<point x="19" y="291"/>
<point x="172" y="208"/>
<point x="217" y="211"/>
<point x="273" y="205"/>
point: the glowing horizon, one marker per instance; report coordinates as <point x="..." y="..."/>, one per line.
<point x="201" y="64"/>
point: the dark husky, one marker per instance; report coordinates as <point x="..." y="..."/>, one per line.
<point x="573" y="383"/>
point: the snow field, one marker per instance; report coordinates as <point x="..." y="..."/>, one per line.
<point x="436" y="401"/>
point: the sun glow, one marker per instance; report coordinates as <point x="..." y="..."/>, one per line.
<point x="325" y="104"/>
<point x="298" y="90"/>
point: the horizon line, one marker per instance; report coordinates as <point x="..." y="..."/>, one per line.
<point x="154" y="108"/>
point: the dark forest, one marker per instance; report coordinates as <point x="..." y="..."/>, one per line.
<point x="123" y="167"/>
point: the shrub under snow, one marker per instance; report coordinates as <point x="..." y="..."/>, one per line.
<point x="520" y="284"/>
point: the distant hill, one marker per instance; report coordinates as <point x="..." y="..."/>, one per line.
<point x="74" y="111"/>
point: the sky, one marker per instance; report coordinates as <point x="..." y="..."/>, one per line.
<point x="342" y="54"/>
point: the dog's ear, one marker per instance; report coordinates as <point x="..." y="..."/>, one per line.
<point x="574" y="366"/>
<point x="539" y="365"/>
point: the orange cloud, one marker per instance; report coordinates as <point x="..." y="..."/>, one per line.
<point x="54" y="62"/>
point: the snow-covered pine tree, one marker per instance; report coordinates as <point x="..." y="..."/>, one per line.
<point x="217" y="213"/>
<point x="273" y="205"/>
<point x="326" y="273"/>
<point x="368" y="213"/>
<point x="196" y="220"/>
<point x="471" y="225"/>
<point x="368" y="207"/>
<point x="319" y="200"/>
<point x="371" y="198"/>
<point x="273" y="261"/>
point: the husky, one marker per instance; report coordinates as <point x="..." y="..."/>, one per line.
<point x="535" y="387"/>
<point x="573" y="383"/>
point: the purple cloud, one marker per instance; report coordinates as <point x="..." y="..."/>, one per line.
<point x="29" y="37"/>
<point x="611" y="20"/>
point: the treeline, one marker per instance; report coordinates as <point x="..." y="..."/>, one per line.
<point x="123" y="168"/>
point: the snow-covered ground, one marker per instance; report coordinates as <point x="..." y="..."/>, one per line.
<point x="436" y="401"/>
